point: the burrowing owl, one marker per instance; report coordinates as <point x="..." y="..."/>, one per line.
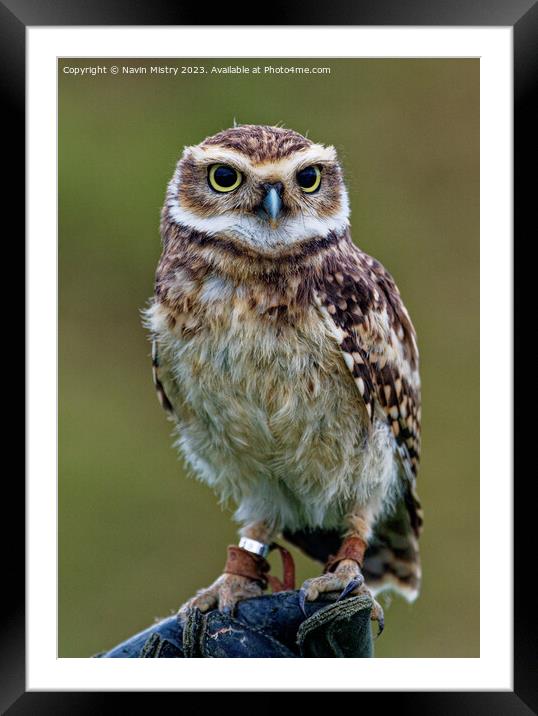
<point x="289" y="364"/>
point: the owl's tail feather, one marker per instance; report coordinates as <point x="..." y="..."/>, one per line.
<point x="392" y="560"/>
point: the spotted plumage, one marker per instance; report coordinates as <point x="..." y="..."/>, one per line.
<point x="286" y="358"/>
<point x="378" y="343"/>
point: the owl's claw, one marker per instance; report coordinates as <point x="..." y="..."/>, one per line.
<point x="223" y="595"/>
<point x="377" y="612"/>
<point x="380" y="624"/>
<point x="303" y="592"/>
<point x="345" y="579"/>
<point x="302" y="599"/>
<point x="354" y="584"/>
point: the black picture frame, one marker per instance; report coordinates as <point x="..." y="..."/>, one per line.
<point x="522" y="15"/>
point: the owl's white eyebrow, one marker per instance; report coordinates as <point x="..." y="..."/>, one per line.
<point x="286" y="166"/>
<point x="219" y="155"/>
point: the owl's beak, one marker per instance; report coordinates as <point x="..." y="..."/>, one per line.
<point x="272" y="202"/>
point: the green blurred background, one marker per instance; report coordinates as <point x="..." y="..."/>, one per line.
<point x="136" y="536"/>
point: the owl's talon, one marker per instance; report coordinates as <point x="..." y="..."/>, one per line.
<point x="380" y="625"/>
<point x="302" y="599"/>
<point x="354" y="584"/>
<point x="345" y="579"/>
<point x="377" y="613"/>
<point x="223" y="595"/>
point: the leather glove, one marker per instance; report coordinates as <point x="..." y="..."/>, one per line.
<point x="268" y="626"/>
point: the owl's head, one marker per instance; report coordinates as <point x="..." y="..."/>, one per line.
<point x="267" y="187"/>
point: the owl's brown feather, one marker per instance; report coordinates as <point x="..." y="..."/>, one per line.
<point x="260" y="143"/>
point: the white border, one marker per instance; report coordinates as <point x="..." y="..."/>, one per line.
<point x="493" y="670"/>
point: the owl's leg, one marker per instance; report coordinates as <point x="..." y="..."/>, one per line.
<point x="343" y="570"/>
<point x="244" y="573"/>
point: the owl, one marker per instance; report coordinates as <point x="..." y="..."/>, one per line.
<point x="288" y="364"/>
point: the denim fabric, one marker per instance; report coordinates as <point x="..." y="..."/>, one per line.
<point x="269" y="626"/>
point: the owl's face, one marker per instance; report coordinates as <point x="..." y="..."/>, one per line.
<point x="267" y="187"/>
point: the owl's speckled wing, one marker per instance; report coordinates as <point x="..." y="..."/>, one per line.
<point x="362" y="304"/>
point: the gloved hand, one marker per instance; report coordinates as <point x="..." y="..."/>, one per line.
<point x="268" y="626"/>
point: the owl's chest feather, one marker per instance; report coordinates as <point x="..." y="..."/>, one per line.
<point x="268" y="380"/>
<point x="267" y="410"/>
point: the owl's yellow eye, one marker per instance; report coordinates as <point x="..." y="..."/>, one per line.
<point x="224" y="178"/>
<point x="309" y="179"/>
